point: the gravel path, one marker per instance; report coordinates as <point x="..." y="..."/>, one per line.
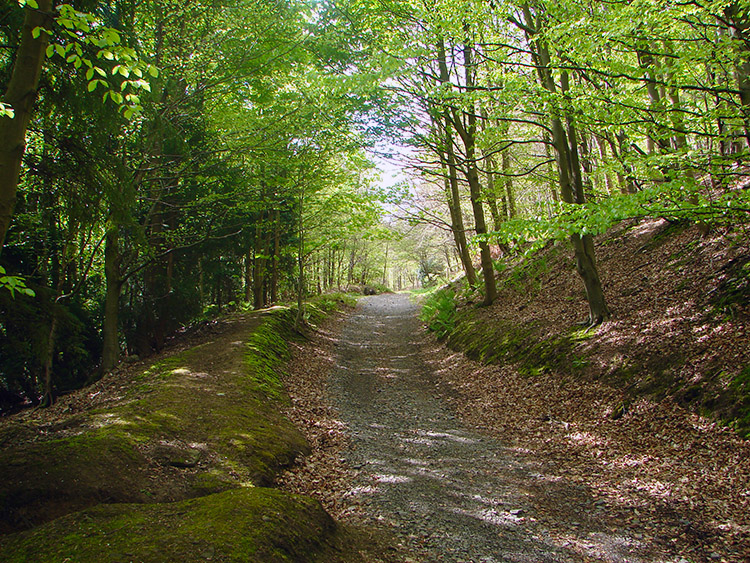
<point x="449" y="492"/>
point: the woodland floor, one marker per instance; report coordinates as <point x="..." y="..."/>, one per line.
<point x="442" y="458"/>
<point x="467" y="462"/>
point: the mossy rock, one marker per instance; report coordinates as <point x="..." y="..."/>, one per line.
<point x="200" y="422"/>
<point x="43" y="480"/>
<point x="243" y="525"/>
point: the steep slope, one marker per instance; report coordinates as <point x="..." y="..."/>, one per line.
<point x="680" y="303"/>
<point x="638" y="410"/>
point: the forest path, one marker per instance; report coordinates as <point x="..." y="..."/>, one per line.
<point x="447" y="491"/>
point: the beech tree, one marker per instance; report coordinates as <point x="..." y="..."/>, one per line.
<point x="162" y="161"/>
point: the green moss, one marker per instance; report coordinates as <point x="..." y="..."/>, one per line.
<point x="241" y="525"/>
<point x="167" y="367"/>
<point x="42" y="480"/>
<point x="505" y="342"/>
<point x="199" y="425"/>
<point x="226" y="425"/>
<point x="738" y="416"/>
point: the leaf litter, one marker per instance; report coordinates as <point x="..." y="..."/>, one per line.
<point x="656" y="474"/>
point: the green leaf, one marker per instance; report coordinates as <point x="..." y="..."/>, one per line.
<point x="92" y="85"/>
<point x="6" y="111"/>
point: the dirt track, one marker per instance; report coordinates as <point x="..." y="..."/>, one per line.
<point x="449" y="492"/>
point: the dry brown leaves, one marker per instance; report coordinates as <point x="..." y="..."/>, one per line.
<point x="323" y="474"/>
<point x="676" y="475"/>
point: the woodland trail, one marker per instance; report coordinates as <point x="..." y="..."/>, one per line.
<point x="447" y="491"/>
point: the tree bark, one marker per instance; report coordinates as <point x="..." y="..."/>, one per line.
<point x="21" y="96"/>
<point x="259" y="266"/>
<point x="468" y="136"/>
<point x="569" y="173"/>
<point x="452" y="193"/>
<point x="275" y="257"/>
<point x="114" y="283"/>
<point x="300" y="264"/>
<point x="739" y="25"/>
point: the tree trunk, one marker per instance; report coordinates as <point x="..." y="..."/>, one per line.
<point x="452" y="193"/>
<point x="300" y="266"/>
<point x="571" y="188"/>
<point x="510" y="198"/>
<point x="491" y="194"/>
<point x="602" y="148"/>
<point x="658" y="136"/>
<point x="275" y="257"/>
<point x="259" y="266"/>
<point x="114" y="283"/>
<point x="249" y="275"/>
<point x="48" y="397"/>
<point x="738" y="30"/>
<point x="468" y="136"/>
<point x="385" y="265"/>
<point x="20" y="96"/>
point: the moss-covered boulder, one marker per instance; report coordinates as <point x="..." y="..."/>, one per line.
<point x="195" y="423"/>
<point x="243" y="525"/>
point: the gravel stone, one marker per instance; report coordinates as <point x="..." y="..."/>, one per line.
<point x="449" y="492"/>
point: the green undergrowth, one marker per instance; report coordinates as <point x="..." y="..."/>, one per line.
<point x="439" y="312"/>
<point x="740" y="388"/>
<point x="526" y="275"/>
<point x="242" y="525"/>
<point x="464" y="329"/>
<point x="199" y="424"/>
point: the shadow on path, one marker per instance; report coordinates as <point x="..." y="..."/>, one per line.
<point x="450" y="492"/>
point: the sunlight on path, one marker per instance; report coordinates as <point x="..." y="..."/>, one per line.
<point x="449" y="492"/>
